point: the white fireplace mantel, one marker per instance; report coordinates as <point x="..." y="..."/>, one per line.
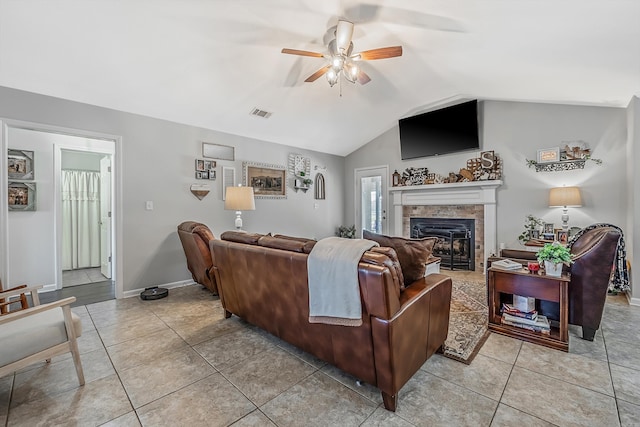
<point x="459" y="193"/>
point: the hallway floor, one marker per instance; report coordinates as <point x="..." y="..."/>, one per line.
<point x="178" y="361"/>
<point x="82" y="276"/>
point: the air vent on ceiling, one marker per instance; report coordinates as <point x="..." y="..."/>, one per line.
<point x="260" y="113"/>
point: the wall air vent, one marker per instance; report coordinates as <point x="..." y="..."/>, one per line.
<point x="260" y="113"/>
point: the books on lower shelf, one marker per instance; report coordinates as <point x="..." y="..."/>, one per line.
<point x="512" y="310"/>
<point x="539" y="324"/>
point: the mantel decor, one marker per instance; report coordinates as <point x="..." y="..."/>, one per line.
<point x="268" y="181"/>
<point x="487" y="167"/>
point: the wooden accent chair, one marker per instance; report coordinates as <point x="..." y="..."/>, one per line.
<point x="33" y="334"/>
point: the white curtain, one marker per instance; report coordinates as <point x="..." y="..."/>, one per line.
<point x="80" y="219"/>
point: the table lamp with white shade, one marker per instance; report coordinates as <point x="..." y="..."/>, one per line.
<point x="239" y="199"/>
<point x="565" y="197"/>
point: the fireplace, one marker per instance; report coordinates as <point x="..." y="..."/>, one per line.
<point x="476" y="199"/>
<point x="456" y="237"/>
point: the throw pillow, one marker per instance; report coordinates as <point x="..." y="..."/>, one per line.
<point x="413" y="254"/>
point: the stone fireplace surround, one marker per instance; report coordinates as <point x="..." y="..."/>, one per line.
<point x="408" y="200"/>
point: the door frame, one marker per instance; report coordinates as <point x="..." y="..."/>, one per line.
<point x="357" y="197"/>
<point x="102" y="142"/>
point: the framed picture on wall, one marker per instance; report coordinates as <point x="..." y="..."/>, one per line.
<point x="20" y="164"/>
<point x="268" y="181"/>
<point x="547" y="155"/>
<point x="22" y="196"/>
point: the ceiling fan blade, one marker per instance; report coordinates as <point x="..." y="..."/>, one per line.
<point x="313" y="77"/>
<point x="380" y="53"/>
<point x="362" y="77"/>
<point x="344" y="33"/>
<point x="302" y="53"/>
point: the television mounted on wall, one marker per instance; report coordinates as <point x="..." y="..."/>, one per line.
<point x="447" y="130"/>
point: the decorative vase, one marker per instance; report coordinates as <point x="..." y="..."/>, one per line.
<point x="553" y="269"/>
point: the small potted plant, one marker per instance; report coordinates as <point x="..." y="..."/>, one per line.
<point x="531" y="224"/>
<point x="346" y="232"/>
<point x="554" y="256"/>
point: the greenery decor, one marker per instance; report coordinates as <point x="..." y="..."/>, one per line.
<point x="531" y="223"/>
<point x="347" y="232"/>
<point x="555" y="253"/>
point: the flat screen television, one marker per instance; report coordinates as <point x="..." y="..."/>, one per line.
<point x="447" y="130"/>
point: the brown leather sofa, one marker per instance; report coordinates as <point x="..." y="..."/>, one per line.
<point x="593" y="254"/>
<point x="263" y="279"/>
<point x="195" y="238"/>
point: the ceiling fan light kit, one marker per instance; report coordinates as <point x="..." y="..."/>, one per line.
<point x="341" y="60"/>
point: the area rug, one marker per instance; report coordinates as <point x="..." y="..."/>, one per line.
<point x="468" y="320"/>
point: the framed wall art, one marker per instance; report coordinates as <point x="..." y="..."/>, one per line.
<point x="547" y="155"/>
<point x="268" y="181"/>
<point x="20" y="164"/>
<point x="22" y="196"/>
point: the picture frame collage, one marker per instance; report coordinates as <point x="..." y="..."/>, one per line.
<point x="21" y="188"/>
<point x="205" y="169"/>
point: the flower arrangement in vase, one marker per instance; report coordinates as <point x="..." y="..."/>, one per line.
<point x="554" y="256"/>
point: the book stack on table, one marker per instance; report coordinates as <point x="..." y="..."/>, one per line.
<point x="529" y="320"/>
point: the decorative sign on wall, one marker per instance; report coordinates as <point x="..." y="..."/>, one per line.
<point x="300" y="169"/>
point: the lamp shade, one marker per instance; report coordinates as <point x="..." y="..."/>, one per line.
<point x="239" y="199"/>
<point x="565" y="197"/>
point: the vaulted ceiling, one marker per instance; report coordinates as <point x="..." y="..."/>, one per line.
<point x="209" y="63"/>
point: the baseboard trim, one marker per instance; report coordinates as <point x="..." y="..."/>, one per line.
<point x="48" y="288"/>
<point x="136" y="292"/>
<point x="633" y="301"/>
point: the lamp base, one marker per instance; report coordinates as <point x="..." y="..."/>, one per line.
<point x="239" y="220"/>
<point x="565" y="219"/>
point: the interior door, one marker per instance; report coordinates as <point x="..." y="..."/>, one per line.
<point x="105" y="216"/>
<point x="371" y="199"/>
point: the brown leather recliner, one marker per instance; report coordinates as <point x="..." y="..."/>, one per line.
<point x="594" y="255"/>
<point x="195" y="238"/>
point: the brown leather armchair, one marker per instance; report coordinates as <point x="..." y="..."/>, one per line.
<point x="195" y="239"/>
<point x="594" y="255"/>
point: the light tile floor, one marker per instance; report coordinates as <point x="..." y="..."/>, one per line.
<point x="178" y="362"/>
<point x="82" y="276"/>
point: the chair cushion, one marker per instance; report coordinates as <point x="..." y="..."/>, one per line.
<point x="32" y="334"/>
<point x="413" y="254"/>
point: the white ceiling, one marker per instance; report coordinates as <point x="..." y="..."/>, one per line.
<point x="208" y="63"/>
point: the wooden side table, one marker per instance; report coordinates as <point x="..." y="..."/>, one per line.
<point x="523" y="283"/>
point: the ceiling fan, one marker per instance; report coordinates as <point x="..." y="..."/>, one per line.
<point x="342" y="60"/>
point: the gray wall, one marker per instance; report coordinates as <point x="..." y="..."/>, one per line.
<point x="158" y="165"/>
<point x="515" y="131"/>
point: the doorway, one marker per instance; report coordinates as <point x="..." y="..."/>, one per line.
<point x="85" y="198"/>
<point x="371" y="200"/>
<point x="32" y="242"/>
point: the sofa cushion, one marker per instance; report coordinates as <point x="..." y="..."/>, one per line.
<point x="308" y="243"/>
<point x="390" y="260"/>
<point x="241" y="237"/>
<point x="293" y="245"/>
<point x="413" y="254"/>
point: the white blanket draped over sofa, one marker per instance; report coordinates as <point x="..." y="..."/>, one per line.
<point x="334" y="291"/>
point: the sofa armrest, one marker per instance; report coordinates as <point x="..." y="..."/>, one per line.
<point x="404" y="342"/>
<point x="380" y="294"/>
